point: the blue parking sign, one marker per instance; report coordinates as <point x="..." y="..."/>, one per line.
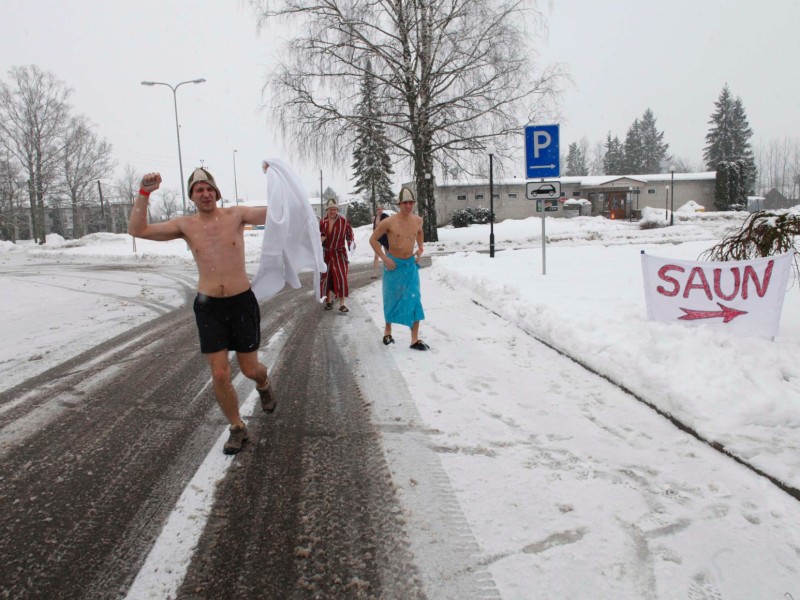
<point x="542" y="157"/>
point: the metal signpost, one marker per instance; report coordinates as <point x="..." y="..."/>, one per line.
<point x="542" y="160"/>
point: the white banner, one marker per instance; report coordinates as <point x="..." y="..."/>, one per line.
<point x="744" y="297"/>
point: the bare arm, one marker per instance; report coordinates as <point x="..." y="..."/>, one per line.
<point x="137" y="223"/>
<point x="253" y="216"/>
<point x="381" y="229"/>
<point x="420" y="239"/>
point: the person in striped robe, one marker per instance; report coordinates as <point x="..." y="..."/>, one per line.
<point x="336" y="233"/>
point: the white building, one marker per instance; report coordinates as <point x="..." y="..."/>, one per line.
<point x="612" y="196"/>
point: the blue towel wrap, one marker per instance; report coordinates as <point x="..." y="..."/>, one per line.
<point x="402" y="301"/>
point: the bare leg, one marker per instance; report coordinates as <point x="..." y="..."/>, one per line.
<point x="251" y="368"/>
<point x="223" y="389"/>
<point x="387" y="330"/>
<point x="254" y="370"/>
<point x="414" y="332"/>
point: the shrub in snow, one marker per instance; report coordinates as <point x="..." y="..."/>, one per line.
<point x="652" y="218"/>
<point x="467" y="216"/>
<point x="479" y="215"/>
<point x="461" y="218"/>
<point x="764" y="233"/>
<point x="53" y="239"/>
<point x="691" y="207"/>
<point x="651" y="224"/>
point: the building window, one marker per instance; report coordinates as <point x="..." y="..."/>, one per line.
<point x="462" y="197"/>
<point x="478" y="196"/>
<point x="512" y="195"/>
<point x="496" y="196"/>
<point x="651" y="191"/>
<point x="576" y="194"/>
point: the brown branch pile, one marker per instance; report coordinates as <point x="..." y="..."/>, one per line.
<point x="763" y="233"/>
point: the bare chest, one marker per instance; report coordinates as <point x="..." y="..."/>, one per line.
<point x="217" y="239"/>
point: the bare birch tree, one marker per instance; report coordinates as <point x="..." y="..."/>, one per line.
<point x="778" y="165"/>
<point x="169" y="203"/>
<point x="453" y="76"/>
<point x="34" y="113"/>
<point x="85" y="160"/>
<point x="12" y="187"/>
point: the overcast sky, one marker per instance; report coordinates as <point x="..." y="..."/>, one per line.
<point x="624" y="56"/>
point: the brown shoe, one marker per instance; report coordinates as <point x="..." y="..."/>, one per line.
<point x="236" y="439"/>
<point x="268" y="400"/>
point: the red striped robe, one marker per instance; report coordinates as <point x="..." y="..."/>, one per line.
<point x="335" y="253"/>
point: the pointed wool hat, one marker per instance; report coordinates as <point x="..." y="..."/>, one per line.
<point x="406" y="195"/>
<point x="201" y="174"/>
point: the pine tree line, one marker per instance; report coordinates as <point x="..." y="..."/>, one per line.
<point x="642" y="152"/>
<point x="728" y="151"/>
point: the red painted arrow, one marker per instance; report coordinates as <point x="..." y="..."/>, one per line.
<point x="728" y="314"/>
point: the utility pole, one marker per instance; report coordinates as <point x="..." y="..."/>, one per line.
<point x="102" y="209"/>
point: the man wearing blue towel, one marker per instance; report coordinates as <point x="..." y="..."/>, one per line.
<point x="402" y="302"/>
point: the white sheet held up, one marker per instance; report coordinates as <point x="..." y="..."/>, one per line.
<point x="291" y="235"/>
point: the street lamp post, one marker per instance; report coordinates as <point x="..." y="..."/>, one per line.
<point x="235" y="186"/>
<point x="672" y="196"/>
<point x="177" y="125"/>
<point x="630" y="203"/>
<point x="666" y="202"/>
<point x="491" y="150"/>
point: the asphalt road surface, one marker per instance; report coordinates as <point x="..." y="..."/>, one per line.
<point x="95" y="452"/>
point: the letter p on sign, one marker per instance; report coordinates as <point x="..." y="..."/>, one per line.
<point x="541" y="140"/>
<point x="541" y="151"/>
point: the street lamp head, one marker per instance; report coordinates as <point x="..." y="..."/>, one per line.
<point x="491" y="150"/>
<point x="148" y="83"/>
<point x="672" y="168"/>
<point x="201" y="80"/>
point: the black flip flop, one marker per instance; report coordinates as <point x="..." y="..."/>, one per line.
<point x="344" y="309"/>
<point x="420" y="345"/>
<point x="388" y="339"/>
<point x="328" y="306"/>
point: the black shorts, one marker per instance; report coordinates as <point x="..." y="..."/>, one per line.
<point x="232" y="323"/>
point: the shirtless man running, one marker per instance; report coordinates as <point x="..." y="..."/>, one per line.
<point x="226" y="310"/>
<point x="402" y="302"/>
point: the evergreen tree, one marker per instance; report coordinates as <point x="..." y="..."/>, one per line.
<point x="644" y="146"/>
<point x="633" y="149"/>
<point x="653" y="147"/>
<point x="732" y="185"/>
<point x="372" y="167"/>
<point x="576" y="161"/>
<point x="329" y="194"/>
<point x="358" y="213"/>
<point x="728" y="141"/>
<point x="614" y="159"/>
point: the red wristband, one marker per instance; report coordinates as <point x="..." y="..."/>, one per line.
<point x="144" y="193"/>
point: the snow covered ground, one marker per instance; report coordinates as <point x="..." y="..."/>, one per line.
<point x="570" y="487"/>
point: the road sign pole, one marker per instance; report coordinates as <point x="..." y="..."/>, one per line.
<point x="544" y="238"/>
